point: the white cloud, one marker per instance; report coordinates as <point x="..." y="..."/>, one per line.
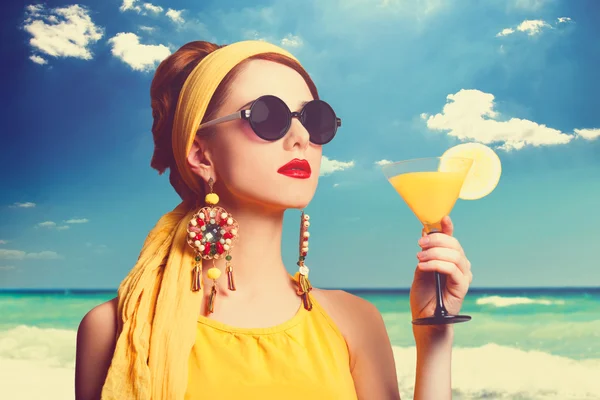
<point x="21" y="255"/>
<point x="130" y="5"/>
<point x="588" y="134"/>
<point x="505" y="32"/>
<point x="336" y="184"/>
<point x="175" y="16"/>
<point x="152" y="8"/>
<point x="62" y="32"/>
<point x="562" y="20"/>
<point x="531" y="26"/>
<point x="23" y="205"/>
<point x="140" y="57"/>
<point x="384" y="162"/>
<point x="147" y="29"/>
<point x="3" y="242"/>
<point x="38" y="59"/>
<point x="47" y="224"/>
<point x="330" y="166"/>
<point x="51" y="225"/>
<point x="470" y="115"/>
<point x="292" y="41"/>
<point x="77" y="221"/>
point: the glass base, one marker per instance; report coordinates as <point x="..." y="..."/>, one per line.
<point x="442" y="320"/>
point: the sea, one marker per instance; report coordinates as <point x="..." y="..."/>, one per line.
<point x="539" y="343"/>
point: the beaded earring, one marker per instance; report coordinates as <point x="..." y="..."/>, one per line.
<point x="212" y="232"/>
<point x="304" y="286"/>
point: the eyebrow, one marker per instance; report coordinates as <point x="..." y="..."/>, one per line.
<point x="252" y="101"/>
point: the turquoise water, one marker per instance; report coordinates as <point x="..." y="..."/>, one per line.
<point x="527" y="343"/>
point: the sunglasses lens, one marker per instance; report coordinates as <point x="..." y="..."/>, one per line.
<point x="270" y="118"/>
<point x="320" y="121"/>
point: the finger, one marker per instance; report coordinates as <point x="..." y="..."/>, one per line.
<point x="448" y="255"/>
<point x="440" y="253"/>
<point x="443" y="267"/>
<point x="440" y="240"/>
<point x="447" y="226"/>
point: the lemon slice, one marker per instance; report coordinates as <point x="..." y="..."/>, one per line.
<point x="484" y="175"/>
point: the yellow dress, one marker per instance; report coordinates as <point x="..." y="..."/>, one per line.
<point x="304" y="358"/>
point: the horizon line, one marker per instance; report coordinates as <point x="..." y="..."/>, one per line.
<point x="354" y="289"/>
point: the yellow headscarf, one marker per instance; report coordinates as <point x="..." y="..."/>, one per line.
<point x="158" y="311"/>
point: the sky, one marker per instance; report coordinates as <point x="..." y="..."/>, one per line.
<point x="409" y="79"/>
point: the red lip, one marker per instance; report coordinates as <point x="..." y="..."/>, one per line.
<point x="296" y="169"/>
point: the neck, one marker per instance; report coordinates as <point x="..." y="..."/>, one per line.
<point x="256" y="254"/>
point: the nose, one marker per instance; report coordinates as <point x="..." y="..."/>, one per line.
<point x="297" y="138"/>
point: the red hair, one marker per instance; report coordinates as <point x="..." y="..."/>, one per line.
<point x="164" y="93"/>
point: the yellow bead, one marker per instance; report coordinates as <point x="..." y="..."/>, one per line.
<point x="211" y="198"/>
<point x="214" y="273"/>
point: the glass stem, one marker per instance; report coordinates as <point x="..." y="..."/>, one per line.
<point x="440" y="309"/>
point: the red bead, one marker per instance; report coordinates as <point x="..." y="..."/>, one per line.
<point x="207" y="249"/>
<point x="220" y="249"/>
<point x="199" y="236"/>
<point x="223" y="222"/>
<point x="304" y="254"/>
<point x="228" y="235"/>
<point x="200" y="222"/>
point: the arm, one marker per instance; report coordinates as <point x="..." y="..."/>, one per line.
<point x="374" y="368"/>
<point x="95" y="346"/>
<point x="434" y="359"/>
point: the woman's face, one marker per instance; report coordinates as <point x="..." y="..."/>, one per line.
<point x="248" y="167"/>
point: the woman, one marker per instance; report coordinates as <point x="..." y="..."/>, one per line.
<point x="205" y="315"/>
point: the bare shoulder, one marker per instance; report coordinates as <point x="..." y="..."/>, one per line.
<point x="372" y="361"/>
<point x="96" y="339"/>
<point x="357" y="319"/>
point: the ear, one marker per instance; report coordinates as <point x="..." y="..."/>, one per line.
<point x="199" y="159"/>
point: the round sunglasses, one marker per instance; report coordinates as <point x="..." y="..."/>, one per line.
<point x="270" y="118"/>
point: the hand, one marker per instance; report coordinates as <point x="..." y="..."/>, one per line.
<point x="442" y="253"/>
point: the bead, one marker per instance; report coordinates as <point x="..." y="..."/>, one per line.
<point x="222" y="241"/>
<point x="302" y="258"/>
<point x="201" y="247"/>
<point x="228" y="235"/>
<point x="219" y="248"/>
<point x="197" y="243"/>
<point x="223" y="215"/>
<point x="305" y="249"/>
<point x="203" y="240"/>
<point x="306" y="224"/>
<point x="202" y="228"/>
<point x="223" y="222"/>
<point x="199" y="221"/>
<point x="226" y="247"/>
<point x="201" y="215"/>
<point x="198" y="258"/>
<point x="212" y="221"/>
<point x="213" y="214"/>
<point x="211" y="198"/>
<point x="233" y="232"/>
<point x="222" y="231"/>
<point x="192" y="235"/>
<point x="194" y="222"/>
<point x="214" y="273"/>
<point x="306" y="234"/>
<point x="303" y="270"/>
<point x="228" y="257"/>
<point x="306" y="217"/>
<point x="227" y="241"/>
<point x="229" y="221"/>
<point x="206" y="250"/>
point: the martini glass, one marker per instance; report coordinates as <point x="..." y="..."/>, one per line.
<point x="430" y="188"/>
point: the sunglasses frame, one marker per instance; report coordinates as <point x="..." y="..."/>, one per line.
<point x="245" y="115"/>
